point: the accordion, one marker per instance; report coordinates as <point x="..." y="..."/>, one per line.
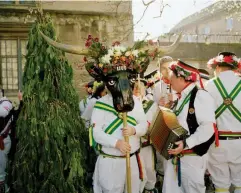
<point x="164" y="131"/>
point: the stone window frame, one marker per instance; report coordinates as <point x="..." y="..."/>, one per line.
<point x="19" y="33"/>
<point x="17" y="2"/>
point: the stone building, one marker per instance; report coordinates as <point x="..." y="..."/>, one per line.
<point x="73" y="20"/>
<point x="205" y="33"/>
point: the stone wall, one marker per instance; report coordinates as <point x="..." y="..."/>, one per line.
<point x="74" y="21"/>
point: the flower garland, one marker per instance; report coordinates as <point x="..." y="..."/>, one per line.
<point x="230" y="60"/>
<point x="117" y="58"/>
<point x="189" y="75"/>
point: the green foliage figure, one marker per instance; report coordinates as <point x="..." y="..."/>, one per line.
<point x="50" y="155"/>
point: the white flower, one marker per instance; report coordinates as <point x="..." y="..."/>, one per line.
<point x="219" y="58"/>
<point x="128" y="53"/>
<point x="106" y="59"/>
<point x="110" y="52"/>
<point x="235" y="59"/>
<point x="181" y="73"/>
<point x="119" y="48"/>
<point x="122" y="48"/>
<point x="117" y="53"/>
<point x="135" y="53"/>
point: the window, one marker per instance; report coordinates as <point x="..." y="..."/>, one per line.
<point x="229" y="26"/>
<point x="12" y="62"/>
<point x="206" y="30"/>
<point x="16" y="2"/>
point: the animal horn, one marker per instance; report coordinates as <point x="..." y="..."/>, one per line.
<point x="171" y="48"/>
<point x="64" y="47"/>
<point x="164" y="49"/>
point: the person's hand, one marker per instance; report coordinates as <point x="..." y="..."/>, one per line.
<point x="162" y="101"/>
<point x="20" y="96"/>
<point x="170" y="97"/>
<point x="128" y="131"/>
<point x="178" y="150"/>
<point x="123" y="146"/>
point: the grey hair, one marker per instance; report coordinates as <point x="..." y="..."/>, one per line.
<point x="165" y="59"/>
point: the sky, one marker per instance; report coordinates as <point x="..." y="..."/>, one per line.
<point x="171" y="15"/>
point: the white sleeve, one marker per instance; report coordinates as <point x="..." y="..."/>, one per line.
<point x="81" y="107"/>
<point x="142" y="125"/>
<point x="157" y="92"/>
<point x="5" y="108"/>
<point x="98" y="119"/>
<point x="205" y="114"/>
<point x="88" y="110"/>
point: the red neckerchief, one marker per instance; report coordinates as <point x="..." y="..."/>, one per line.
<point x="179" y="94"/>
<point x="165" y="80"/>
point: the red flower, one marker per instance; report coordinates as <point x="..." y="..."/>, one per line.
<point x="116" y="43"/>
<point x="105" y="70"/>
<point x="88" y="44"/>
<point x="89" y="37"/>
<point x="193" y="77"/>
<point x="96" y="39"/>
<point x="173" y="67"/>
<point x="239" y="65"/>
<point x="85" y="59"/>
<point x="228" y="59"/>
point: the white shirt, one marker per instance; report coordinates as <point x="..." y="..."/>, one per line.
<point x="102" y="119"/>
<point x="83" y="104"/>
<point x="226" y="121"/>
<point x="5" y="107"/>
<point x="160" y="89"/>
<point x="204" y="110"/>
<point x="89" y="110"/>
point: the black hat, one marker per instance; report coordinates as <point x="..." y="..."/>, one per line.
<point x="204" y="74"/>
<point x="90" y="84"/>
<point x="227" y="54"/>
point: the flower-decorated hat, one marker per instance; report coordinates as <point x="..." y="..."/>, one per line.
<point x="102" y="61"/>
<point x="116" y="58"/>
<point x="224" y="59"/>
<point x="186" y="71"/>
<point x="204" y="74"/>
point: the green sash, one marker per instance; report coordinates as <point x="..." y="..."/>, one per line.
<point x="227" y="99"/>
<point x="186" y="100"/>
<point x="113" y="125"/>
<point x="147" y="105"/>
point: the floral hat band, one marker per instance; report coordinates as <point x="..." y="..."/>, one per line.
<point x="116" y="58"/>
<point x="186" y="71"/>
<point x="225" y="58"/>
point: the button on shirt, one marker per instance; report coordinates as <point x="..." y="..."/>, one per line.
<point x="204" y="110"/>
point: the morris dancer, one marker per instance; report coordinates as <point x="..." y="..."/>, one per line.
<point x="195" y="114"/>
<point x="224" y="161"/>
<point x="162" y="88"/>
<point x="5" y="143"/>
<point x="98" y="91"/>
<point x="147" y="151"/>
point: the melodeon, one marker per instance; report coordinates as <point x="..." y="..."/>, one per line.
<point x="164" y="131"/>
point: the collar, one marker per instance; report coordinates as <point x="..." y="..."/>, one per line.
<point x="165" y="80"/>
<point x="187" y="90"/>
<point x="227" y="73"/>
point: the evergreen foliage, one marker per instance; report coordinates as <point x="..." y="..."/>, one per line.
<point x="51" y="153"/>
